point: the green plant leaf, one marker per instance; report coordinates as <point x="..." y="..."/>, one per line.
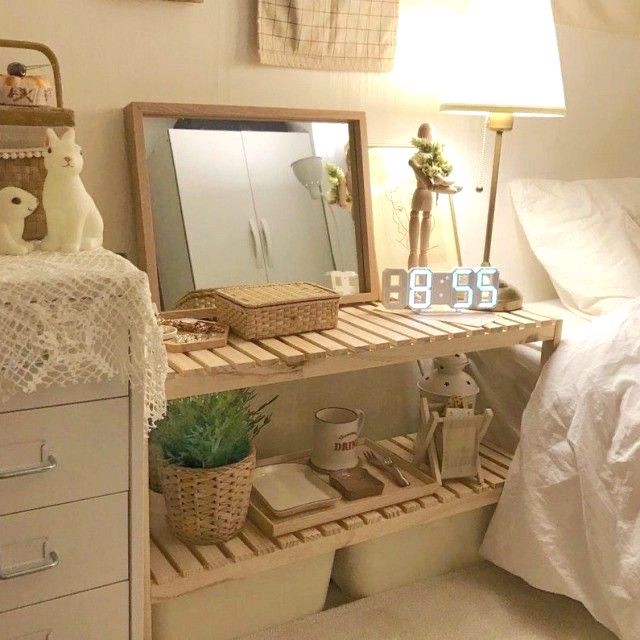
<point x="212" y="430"/>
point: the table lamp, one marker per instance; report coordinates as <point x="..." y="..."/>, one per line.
<point x="309" y="172"/>
<point x="507" y="65"/>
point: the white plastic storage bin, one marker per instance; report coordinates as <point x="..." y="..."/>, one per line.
<point x="411" y="555"/>
<point x="233" y="609"/>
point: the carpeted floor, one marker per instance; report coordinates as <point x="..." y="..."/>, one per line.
<point x="480" y="603"/>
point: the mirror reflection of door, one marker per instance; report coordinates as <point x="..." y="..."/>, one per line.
<point x="293" y="226"/>
<point x="228" y="208"/>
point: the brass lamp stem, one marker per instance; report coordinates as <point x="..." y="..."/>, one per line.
<point x="498" y="122"/>
<point x="492" y="198"/>
<point x="509" y="298"/>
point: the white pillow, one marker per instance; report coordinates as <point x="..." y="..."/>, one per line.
<point x="586" y="234"/>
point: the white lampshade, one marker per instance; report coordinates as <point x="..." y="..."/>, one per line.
<point x="309" y="172"/>
<point x="505" y="59"/>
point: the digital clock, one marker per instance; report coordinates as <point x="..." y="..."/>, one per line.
<point x="460" y="288"/>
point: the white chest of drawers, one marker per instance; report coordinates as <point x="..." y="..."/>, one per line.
<point x="72" y="487"/>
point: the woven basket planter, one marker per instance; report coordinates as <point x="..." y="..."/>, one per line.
<point x="282" y="309"/>
<point x="205" y="506"/>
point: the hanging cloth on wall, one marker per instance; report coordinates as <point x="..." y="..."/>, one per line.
<point x="339" y="35"/>
<point x="614" y="16"/>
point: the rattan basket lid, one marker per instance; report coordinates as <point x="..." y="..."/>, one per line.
<point x="269" y="295"/>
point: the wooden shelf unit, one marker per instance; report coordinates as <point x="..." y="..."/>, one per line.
<point x="178" y="568"/>
<point x="367" y="336"/>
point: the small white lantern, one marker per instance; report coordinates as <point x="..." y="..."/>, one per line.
<point x="448" y="380"/>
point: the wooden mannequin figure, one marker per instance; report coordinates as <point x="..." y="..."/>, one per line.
<point x="345" y="188"/>
<point x="422" y="203"/>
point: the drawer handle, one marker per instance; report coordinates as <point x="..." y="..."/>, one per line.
<point x="48" y="465"/>
<point x="49" y="564"/>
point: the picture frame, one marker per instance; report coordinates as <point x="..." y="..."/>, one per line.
<point x="134" y="118"/>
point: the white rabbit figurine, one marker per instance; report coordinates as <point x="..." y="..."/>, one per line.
<point x="15" y="205"/>
<point x="73" y="220"/>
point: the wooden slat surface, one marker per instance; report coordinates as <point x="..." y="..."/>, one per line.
<point x="260" y="355"/>
<point x="405" y="321"/>
<point x="162" y="571"/>
<point x="183" y="364"/>
<point x="210" y="361"/>
<point x="388" y="323"/>
<point x="500" y="458"/>
<point x="287" y="541"/>
<point x="371" y="338"/>
<point x="330" y="529"/>
<point x="178" y="554"/>
<point x="310" y="349"/>
<point x="236" y="549"/>
<point x="210" y="556"/>
<point x="392" y="336"/>
<point x="309" y="535"/>
<point x="361" y="340"/>
<point x="283" y="350"/>
<point x="492" y="479"/>
<point x="234" y="357"/>
<point x="346" y="339"/>
<point x="330" y="346"/>
<point x="256" y="540"/>
<point x="506" y="322"/>
<point x="516" y="318"/>
<point x="531" y="315"/>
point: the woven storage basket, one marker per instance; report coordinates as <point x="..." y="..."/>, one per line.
<point x="267" y="311"/>
<point x="198" y="299"/>
<point x="205" y="506"/>
<point x="24" y="168"/>
<point x="23" y="145"/>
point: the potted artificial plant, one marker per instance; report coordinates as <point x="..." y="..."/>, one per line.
<point x="208" y="463"/>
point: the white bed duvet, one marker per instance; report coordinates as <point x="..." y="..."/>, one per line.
<point x="569" y="518"/>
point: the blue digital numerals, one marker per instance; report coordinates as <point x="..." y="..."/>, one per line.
<point x="486" y="289"/>
<point x="420" y="288"/>
<point x="463" y="280"/>
<point x="461" y="288"/>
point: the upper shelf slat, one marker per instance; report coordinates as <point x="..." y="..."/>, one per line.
<point x="366" y="337"/>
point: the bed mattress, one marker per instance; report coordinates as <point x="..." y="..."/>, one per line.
<point x="508" y="376"/>
<point x="568" y="519"/>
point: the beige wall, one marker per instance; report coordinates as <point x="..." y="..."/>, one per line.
<point x="614" y="16"/>
<point x="115" y="51"/>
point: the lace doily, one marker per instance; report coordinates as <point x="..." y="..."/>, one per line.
<point x="64" y="320"/>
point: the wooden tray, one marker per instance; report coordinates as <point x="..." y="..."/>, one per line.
<point x="216" y="341"/>
<point x="421" y="485"/>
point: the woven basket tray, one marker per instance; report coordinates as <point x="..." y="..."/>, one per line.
<point x="281" y="309"/>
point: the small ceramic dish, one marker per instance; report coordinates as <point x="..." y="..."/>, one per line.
<point x="168" y="332"/>
<point x="290" y="488"/>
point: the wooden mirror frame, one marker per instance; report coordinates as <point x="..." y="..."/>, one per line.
<point x="136" y="112"/>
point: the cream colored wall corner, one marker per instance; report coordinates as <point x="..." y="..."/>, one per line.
<point x="613" y="16"/>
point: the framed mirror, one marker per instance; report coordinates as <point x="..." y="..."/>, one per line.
<point x="230" y="195"/>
